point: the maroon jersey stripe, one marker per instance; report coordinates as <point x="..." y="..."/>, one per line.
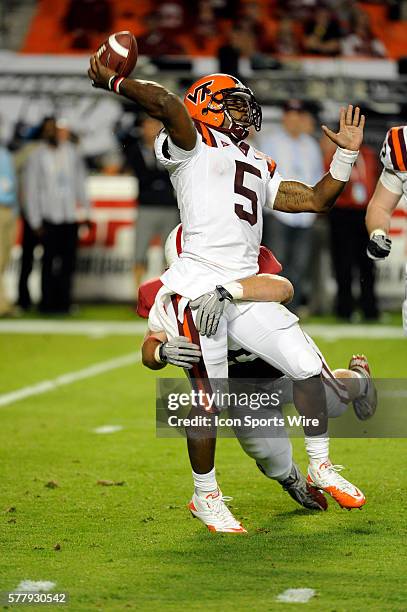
<point x="392" y="150"/>
<point x="212" y="138"/>
<point x="207" y="136"/>
<point x="402" y="141"/>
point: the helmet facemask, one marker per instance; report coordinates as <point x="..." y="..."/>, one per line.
<point x="237" y="99"/>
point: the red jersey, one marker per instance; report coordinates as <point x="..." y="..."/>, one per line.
<point x="268" y="264"/>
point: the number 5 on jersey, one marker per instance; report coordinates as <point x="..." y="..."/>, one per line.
<point x="241" y="168"/>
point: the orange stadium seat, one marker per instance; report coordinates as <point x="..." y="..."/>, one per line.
<point x="393" y="34"/>
<point x="48" y="35"/>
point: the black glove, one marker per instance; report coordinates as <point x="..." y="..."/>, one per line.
<point x="210" y="308"/>
<point x="378" y="247"/>
<point x="180" y="352"/>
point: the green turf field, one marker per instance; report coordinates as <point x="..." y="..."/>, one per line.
<point x="134" y="545"/>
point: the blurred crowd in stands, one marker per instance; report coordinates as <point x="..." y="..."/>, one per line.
<point x="255" y="28"/>
<point x="43" y="180"/>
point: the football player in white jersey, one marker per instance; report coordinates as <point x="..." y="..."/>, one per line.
<point x="222" y="184"/>
<point x="391" y="186"/>
<point x="270" y="448"/>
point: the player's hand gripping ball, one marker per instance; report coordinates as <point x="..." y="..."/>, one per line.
<point x="116" y="56"/>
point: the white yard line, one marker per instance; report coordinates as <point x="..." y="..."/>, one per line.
<point x="129" y="328"/>
<point x="68" y="378"/>
<point x="71" y="328"/>
<point x="296" y="595"/>
<point x="367" y="332"/>
<point x="107" y="429"/>
<point x="35" y="586"/>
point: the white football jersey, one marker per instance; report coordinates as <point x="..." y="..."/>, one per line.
<point x="394" y="159"/>
<point x="221" y="189"/>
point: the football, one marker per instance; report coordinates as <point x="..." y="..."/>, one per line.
<point x="119" y="53"/>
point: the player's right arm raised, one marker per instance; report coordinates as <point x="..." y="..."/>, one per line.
<point x="156" y="101"/>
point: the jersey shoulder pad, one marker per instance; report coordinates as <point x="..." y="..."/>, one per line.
<point x="161" y="148"/>
<point x="171" y="156"/>
<point x="271" y="164"/>
<point x="394" y="150"/>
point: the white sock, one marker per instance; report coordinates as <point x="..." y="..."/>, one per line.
<point x="205" y="483"/>
<point x="317" y="448"/>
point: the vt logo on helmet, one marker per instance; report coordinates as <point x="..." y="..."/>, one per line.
<point x="222" y="101"/>
<point x="200" y="93"/>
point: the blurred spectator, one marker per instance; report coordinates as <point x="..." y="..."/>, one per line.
<point x="309" y="117"/>
<point x="54" y="184"/>
<point x="240" y="53"/>
<point x="30" y="238"/>
<point x="349" y="237"/>
<point x="361" y="40"/>
<point x="299" y="10"/>
<point x="298" y="157"/>
<point x="286" y="42"/>
<point x="229" y="53"/>
<point x="251" y="19"/>
<point x="84" y="18"/>
<point x="223" y="8"/>
<point x="157" y="212"/>
<point x="8" y="215"/>
<point x="172" y="16"/>
<point x="397" y="10"/>
<point x="322" y="34"/>
<point x="205" y="27"/>
<point x="319" y="302"/>
<point x="155" y="41"/>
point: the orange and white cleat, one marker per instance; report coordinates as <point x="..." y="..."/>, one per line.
<point x="325" y="476"/>
<point x="365" y="405"/>
<point x="214" y="513"/>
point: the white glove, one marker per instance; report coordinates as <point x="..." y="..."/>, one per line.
<point x="179" y="351"/>
<point x="210" y="309"/>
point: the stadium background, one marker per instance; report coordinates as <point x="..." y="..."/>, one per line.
<point x="64" y="517"/>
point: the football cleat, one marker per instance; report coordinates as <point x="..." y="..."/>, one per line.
<point x="365" y="405"/>
<point x="325" y="476"/>
<point x="302" y="492"/>
<point x="214" y="513"/>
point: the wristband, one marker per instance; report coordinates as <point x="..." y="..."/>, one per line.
<point x="235" y="289"/>
<point x="342" y="164"/>
<point x="157" y="353"/>
<point x="114" y="83"/>
<point x="377" y="232"/>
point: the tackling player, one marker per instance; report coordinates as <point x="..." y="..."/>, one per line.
<point x="222" y="184"/>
